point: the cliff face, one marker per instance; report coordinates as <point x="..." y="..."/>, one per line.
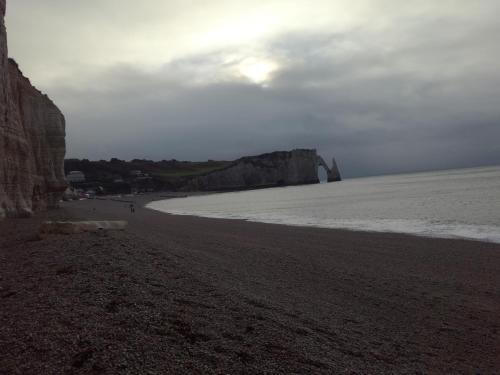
<point x="32" y="141"/>
<point x="280" y="168"/>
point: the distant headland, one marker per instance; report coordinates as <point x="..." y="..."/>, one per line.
<point x="279" y="168"/>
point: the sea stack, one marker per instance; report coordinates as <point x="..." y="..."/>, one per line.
<point x="32" y="141"/>
<point x="334" y="173"/>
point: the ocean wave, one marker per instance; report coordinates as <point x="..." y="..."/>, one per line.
<point x="485" y="233"/>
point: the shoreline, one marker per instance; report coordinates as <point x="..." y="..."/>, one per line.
<point x="145" y="199"/>
<point x="353" y="228"/>
<point x="177" y="294"/>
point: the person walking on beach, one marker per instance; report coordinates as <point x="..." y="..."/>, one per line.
<point x="132" y="208"/>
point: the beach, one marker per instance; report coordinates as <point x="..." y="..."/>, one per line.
<point x="182" y="294"/>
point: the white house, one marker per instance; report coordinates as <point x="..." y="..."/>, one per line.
<point x="75" y="176"/>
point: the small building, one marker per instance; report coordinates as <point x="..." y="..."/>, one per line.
<point x="136" y="173"/>
<point x="75" y="177"/>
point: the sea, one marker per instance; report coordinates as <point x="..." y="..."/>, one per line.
<point x="461" y="203"/>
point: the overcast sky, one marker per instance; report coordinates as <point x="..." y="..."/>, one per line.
<point x="383" y="85"/>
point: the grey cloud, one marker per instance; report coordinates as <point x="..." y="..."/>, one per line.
<point x="425" y="98"/>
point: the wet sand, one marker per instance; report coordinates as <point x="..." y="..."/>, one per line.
<point x="180" y="295"/>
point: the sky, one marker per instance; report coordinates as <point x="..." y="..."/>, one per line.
<point x="384" y="86"/>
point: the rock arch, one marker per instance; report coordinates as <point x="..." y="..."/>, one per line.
<point x="333" y="173"/>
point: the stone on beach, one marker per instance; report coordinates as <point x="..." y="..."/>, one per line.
<point x="73" y="227"/>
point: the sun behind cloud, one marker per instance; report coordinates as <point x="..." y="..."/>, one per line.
<point x="256" y="70"/>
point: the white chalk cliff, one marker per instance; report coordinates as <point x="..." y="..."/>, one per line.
<point x="32" y="141"/>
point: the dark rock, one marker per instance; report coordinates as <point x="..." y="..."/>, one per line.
<point x="81" y="358"/>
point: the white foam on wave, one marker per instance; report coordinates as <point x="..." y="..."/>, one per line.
<point x="485" y="233"/>
<point x="451" y="204"/>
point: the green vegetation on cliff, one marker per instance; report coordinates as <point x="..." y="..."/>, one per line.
<point x="118" y="175"/>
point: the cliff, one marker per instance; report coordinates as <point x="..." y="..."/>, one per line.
<point x="32" y="141"/>
<point x="281" y="168"/>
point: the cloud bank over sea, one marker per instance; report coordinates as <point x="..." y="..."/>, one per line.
<point x="384" y="88"/>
